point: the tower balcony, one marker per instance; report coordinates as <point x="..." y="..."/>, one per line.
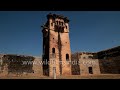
<point x="59" y="28"/>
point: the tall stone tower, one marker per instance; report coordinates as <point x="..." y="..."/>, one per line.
<point x="56" y="46"/>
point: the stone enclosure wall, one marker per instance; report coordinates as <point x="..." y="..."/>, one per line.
<point x="84" y="64"/>
<point x="20" y="65"/>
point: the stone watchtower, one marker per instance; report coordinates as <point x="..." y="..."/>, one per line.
<point x="56" y="46"/>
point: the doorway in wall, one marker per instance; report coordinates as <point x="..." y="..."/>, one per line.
<point x="90" y="70"/>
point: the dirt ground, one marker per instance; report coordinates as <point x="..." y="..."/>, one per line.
<point x="102" y="76"/>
